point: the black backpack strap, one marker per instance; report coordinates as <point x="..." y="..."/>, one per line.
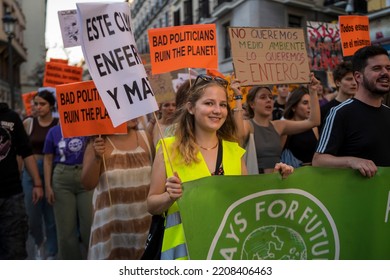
<point x="219" y="157"/>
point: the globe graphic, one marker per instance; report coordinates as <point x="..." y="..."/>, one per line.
<point x="274" y="243"/>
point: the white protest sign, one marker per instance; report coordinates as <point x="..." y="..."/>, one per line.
<point x="114" y="63"/>
<point x="70" y="28"/>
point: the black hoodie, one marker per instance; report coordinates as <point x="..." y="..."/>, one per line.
<point x="13" y="141"/>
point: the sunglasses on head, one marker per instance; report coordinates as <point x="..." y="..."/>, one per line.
<point x="207" y="78"/>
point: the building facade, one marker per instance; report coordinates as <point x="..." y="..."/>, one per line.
<point x="34" y="40"/>
<point x="18" y="52"/>
<point x="379" y="15"/>
<point x="224" y="13"/>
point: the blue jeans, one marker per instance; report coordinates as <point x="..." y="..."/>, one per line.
<point x="38" y="211"/>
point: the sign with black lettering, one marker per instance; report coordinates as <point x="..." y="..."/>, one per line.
<point x="60" y="73"/>
<point x="354" y="33"/>
<point x="187" y="46"/>
<point x="82" y="112"/>
<point x="265" y="56"/>
<point x="114" y="63"/>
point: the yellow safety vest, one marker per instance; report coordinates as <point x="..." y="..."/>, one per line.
<point x="174" y="244"/>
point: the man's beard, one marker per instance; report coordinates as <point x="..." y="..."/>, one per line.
<point x="371" y="87"/>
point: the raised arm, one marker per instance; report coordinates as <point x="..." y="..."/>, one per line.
<point x="243" y="126"/>
<point x="289" y="127"/>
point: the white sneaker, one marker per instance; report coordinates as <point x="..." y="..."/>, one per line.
<point x="40" y="252"/>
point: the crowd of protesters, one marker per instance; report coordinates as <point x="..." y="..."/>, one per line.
<point x="97" y="195"/>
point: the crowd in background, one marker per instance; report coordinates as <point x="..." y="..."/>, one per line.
<point x="93" y="197"/>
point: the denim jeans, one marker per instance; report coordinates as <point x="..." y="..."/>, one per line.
<point x="13" y="228"/>
<point x="38" y="211"/>
<point x="73" y="211"/>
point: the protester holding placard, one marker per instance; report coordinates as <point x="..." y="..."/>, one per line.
<point x="267" y="134"/>
<point x="118" y="168"/>
<point x="356" y="134"/>
<point x="72" y="203"/>
<point x="204" y="144"/>
<point x="37" y="128"/>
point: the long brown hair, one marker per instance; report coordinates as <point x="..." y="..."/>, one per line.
<point x="294" y="98"/>
<point x="250" y="98"/>
<point x="185" y="142"/>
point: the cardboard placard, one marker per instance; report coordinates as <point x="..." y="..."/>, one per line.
<point x="264" y="56"/>
<point x="161" y="83"/>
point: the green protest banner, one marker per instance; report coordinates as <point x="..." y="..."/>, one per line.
<point x="316" y="213"/>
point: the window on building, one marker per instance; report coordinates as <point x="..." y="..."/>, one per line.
<point x="294" y="21"/>
<point x="166" y="19"/>
<point x="176" y="18"/>
<point x="360" y="7"/>
<point x="204" y="9"/>
<point x="146" y="44"/>
<point x="226" y="50"/>
<point x="220" y="2"/>
<point x="188" y="12"/>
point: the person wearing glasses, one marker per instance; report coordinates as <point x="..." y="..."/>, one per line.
<point x="268" y="134"/>
<point x="204" y="144"/>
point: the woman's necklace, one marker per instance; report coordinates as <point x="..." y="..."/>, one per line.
<point x="208" y="149"/>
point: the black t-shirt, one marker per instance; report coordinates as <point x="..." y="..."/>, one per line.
<point x="325" y="110"/>
<point x="13" y="141"/>
<point x="278" y="111"/>
<point x="356" y="129"/>
<point x="302" y="145"/>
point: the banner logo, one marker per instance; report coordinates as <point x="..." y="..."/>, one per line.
<point x="278" y="224"/>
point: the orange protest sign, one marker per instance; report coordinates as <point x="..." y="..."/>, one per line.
<point x="59" y="60"/>
<point x="177" y="47"/>
<point x="60" y="73"/>
<point x="82" y="112"/>
<point x="354" y="33"/>
<point x="214" y="73"/>
<point x="27" y="101"/>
